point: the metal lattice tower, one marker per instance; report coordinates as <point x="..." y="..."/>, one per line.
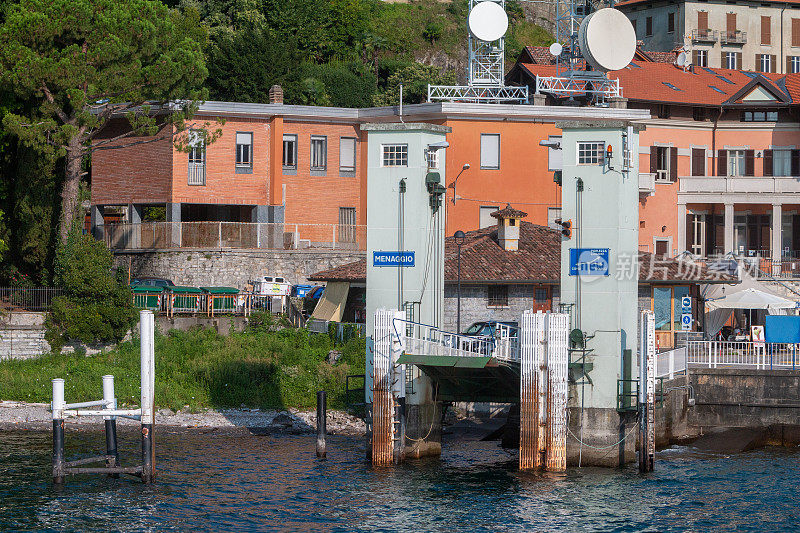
<point x="485" y="73"/>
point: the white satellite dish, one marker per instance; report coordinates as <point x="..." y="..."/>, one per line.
<point x="607" y="40"/>
<point x="682" y="60"/>
<point x="556" y="49"/>
<point x="487" y="21"/>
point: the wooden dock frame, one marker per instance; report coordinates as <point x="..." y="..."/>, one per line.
<point x="543" y="391"/>
<point x="109" y="412"/>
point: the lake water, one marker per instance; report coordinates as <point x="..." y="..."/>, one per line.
<point x="231" y="480"/>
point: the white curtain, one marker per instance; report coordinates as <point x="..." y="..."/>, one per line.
<point x="715" y="319"/>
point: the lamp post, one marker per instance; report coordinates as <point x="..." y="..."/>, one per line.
<point x="453" y="185"/>
<point x="459" y="238"/>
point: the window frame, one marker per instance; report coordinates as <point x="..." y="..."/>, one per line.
<point x="197" y="146"/>
<point x="322" y="168"/>
<point x="663" y="152"/>
<point x="765" y="63"/>
<point x="728" y="56"/>
<point x="781" y="158"/>
<point x="499" y="300"/>
<point x="432" y="159"/>
<point x="598" y="153"/>
<point x="243" y="167"/>
<point x="648" y="26"/>
<point x="702" y="58"/>
<point x="794" y="64"/>
<point x="671" y="22"/>
<point x="490" y="167"/>
<point x="394" y="155"/>
<point x="349" y="170"/>
<point x="736" y="163"/>
<point x="290" y="138"/>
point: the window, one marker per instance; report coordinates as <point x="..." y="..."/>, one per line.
<point x="591" y="153"/>
<point x="667" y="307"/>
<point x="699" y="113"/>
<point x="553" y="213"/>
<point x="766" y="30"/>
<point x="663" y="162"/>
<point x="793" y="64"/>
<point x="498" y="296"/>
<point x="729" y="60"/>
<point x="701" y="58"/>
<point x="663" y="111"/>
<point x="485" y="218"/>
<point x="764" y="62"/>
<point x="290" y="152"/>
<point x="648" y="27"/>
<point x="432" y="159"/>
<point x="795" y="32"/>
<point x="670" y="22"/>
<point x="197" y="159"/>
<point x="633" y="23"/>
<point x="736" y="163"/>
<point x="244" y="150"/>
<point x="781" y="162"/>
<point x="395" y="155"/>
<point x="490" y="151"/>
<point x="347" y="154"/>
<point x="555" y="158"/>
<point x="319" y="153"/>
<point x="347" y="224"/>
<point x="760" y="116"/>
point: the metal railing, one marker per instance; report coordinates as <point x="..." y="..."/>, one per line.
<point x="220" y="235"/>
<point x="421" y="339"/>
<point x="197" y="173"/>
<point x="28" y="299"/>
<point x="204" y="303"/>
<point x="742" y="354"/>
<point x="733" y="37"/>
<point x="705" y="35"/>
<point x="343" y="332"/>
<point x="783" y="268"/>
<point x="672" y="362"/>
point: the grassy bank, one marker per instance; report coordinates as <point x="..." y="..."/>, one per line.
<point x="199" y="368"/>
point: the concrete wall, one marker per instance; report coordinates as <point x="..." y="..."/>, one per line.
<point x="22" y="336"/>
<point x="234" y="267"/>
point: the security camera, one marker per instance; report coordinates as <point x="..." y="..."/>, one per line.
<point x="439" y="145"/>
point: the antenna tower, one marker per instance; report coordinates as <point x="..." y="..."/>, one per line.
<point x="487" y="23"/>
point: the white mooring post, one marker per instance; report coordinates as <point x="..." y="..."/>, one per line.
<point x="58" y="407"/>
<point x="543" y="391"/>
<point x="110" y="399"/>
<point x="647" y="391"/>
<point x="147" y="353"/>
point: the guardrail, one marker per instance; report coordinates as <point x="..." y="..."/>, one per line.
<point x="221" y="235"/>
<point x="344" y="330"/>
<point x="28" y="299"/>
<point x="758" y="355"/>
<point x="422" y="339"/>
<point x="671" y="362"/>
<point x="210" y="304"/>
<point x="704" y="35"/>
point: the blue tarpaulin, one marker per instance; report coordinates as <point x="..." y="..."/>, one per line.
<point x="781" y="328"/>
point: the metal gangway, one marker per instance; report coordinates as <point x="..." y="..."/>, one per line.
<point x="423" y="339"/>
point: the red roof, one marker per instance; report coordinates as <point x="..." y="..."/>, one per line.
<point x="625" y="3"/>
<point x="664" y="82"/>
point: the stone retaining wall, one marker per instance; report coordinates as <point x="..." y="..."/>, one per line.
<point x="232" y="268"/>
<point x="22" y="335"/>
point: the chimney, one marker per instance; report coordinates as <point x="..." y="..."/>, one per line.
<point x="508" y="222"/>
<point x="276" y="94"/>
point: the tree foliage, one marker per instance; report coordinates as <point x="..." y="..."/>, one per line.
<point x="97" y="305"/>
<point x="83" y="61"/>
<point x="415" y="78"/>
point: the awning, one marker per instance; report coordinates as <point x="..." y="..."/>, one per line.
<point x="331" y="304"/>
<point x="751" y="299"/>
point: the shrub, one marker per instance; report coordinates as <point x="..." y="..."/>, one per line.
<point x="96" y="305"/>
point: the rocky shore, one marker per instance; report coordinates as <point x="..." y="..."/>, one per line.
<point x="19" y="415"/>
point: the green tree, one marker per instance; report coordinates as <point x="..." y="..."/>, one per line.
<point x="82" y="62"/>
<point x="415" y="78"/>
<point x="97" y="305"/>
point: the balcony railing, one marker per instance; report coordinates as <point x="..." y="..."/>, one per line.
<point x="739" y="184"/>
<point x="705" y="36"/>
<point x="197" y="173"/>
<point x="647" y="183"/>
<point x="733" y="37"/>
<point x="221" y="235"/>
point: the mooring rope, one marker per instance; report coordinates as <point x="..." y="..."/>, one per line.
<point x="635" y="426"/>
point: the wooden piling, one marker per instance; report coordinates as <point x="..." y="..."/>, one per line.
<point x="321" y="423"/>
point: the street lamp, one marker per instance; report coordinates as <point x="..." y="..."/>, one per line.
<point x="459" y="237"/>
<point x="453" y="185"/>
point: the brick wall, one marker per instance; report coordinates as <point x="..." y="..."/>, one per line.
<point x="141" y="173"/>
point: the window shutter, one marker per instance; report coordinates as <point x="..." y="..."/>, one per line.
<point x="722" y="163"/>
<point x="722" y="62"/>
<point x="653" y="159"/>
<point x="758" y="64"/>
<point x="698" y="161"/>
<point x="694" y="58"/>
<point x="773" y="62"/>
<point x="795" y="163"/>
<point x="673" y="164"/>
<point x="739" y="61"/>
<point x="788" y="65"/>
<point x="490" y="151"/>
<point x="730" y="20"/>
<point x="749" y="163"/>
<point x="702" y="20"/>
<point x="795" y="32"/>
<point x="766" y="34"/>
<point x="767" y="163"/>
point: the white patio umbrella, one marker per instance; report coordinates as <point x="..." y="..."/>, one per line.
<point x="751" y="299"/>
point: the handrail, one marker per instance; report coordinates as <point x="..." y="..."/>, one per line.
<point x="446" y="343"/>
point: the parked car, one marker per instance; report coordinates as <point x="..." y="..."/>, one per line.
<point x="151" y="282"/>
<point x="488" y="328"/>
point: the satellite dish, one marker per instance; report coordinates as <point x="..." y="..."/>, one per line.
<point x="607" y="40"/>
<point x="682" y="60"/>
<point x="556" y="49"/>
<point x="488" y="21"/>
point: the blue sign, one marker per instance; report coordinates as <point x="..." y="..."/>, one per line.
<point x="392" y="259"/>
<point x="588" y="261"/>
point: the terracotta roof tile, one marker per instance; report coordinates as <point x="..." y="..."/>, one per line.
<point x="508" y="212"/>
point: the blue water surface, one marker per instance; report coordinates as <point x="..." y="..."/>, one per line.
<point x="230" y="480"/>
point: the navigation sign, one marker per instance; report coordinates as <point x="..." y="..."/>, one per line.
<point x="686" y="304"/>
<point x="588" y="261"/>
<point x="392" y="259"/>
<point x="686" y="322"/>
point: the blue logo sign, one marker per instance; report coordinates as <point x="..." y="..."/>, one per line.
<point x="588" y="261"/>
<point x="392" y="259"/>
